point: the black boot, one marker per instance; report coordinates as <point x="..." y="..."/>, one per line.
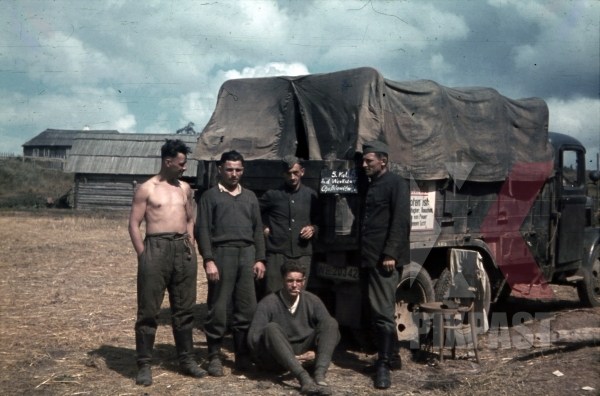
<point x="396" y="360"/>
<point x="185" y="353"/>
<point x="309" y="387"/>
<point x="144" y="343"/>
<point x="243" y="361"/>
<point x="215" y="365"/>
<point x="383" y="378"/>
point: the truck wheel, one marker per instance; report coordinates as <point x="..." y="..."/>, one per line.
<point x="415" y="287"/>
<point x="589" y="288"/>
<point x="483" y="297"/>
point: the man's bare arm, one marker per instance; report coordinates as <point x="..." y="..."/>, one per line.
<point x="190" y="211"/>
<point x="136" y="216"/>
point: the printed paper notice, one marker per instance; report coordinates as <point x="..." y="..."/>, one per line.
<point x="422" y="209"/>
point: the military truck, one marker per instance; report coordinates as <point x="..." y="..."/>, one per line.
<point x="498" y="203"/>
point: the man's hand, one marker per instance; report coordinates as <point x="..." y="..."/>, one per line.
<point x="307" y="232"/>
<point x="259" y="270"/>
<point x="389" y="264"/>
<point x="266" y="231"/>
<point x="212" y="273"/>
<point x="306" y="356"/>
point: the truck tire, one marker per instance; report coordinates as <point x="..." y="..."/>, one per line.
<point x="589" y="288"/>
<point x="483" y="297"/>
<point x="415" y="287"/>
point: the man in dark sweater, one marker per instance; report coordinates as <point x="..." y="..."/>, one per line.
<point x="289" y="215"/>
<point x="230" y="239"/>
<point x="290" y="322"/>
<point x="385" y="248"/>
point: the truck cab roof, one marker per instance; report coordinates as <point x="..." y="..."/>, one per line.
<point x="559" y="140"/>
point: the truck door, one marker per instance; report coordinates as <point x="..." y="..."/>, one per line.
<point x="571" y="205"/>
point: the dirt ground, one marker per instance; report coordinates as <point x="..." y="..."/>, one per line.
<point x="67" y="309"/>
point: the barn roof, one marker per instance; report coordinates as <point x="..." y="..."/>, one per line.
<point x="123" y="154"/>
<point x="62" y="137"/>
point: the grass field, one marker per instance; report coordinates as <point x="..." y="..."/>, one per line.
<point x="67" y="309"/>
<point x="28" y="185"/>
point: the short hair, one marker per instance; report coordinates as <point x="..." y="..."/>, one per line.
<point x="231" y="156"/>
<point x="172" y="147"/>
<point x="289" y="161"/>
<point x="292" y="266"/>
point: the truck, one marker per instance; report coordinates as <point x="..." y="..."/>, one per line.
<point x="499" y="205"/>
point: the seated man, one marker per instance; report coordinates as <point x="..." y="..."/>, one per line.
<point x="290" y="322"/>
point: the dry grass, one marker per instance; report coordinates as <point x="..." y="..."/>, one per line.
<point x="67" y="308"/>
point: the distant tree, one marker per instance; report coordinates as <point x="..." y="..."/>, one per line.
<point x="187" y="130"/>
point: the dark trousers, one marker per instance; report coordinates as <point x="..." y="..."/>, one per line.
<point x="236" y="284"/>
<point x="168" y="262"/>
<point x="276" y="351"/>
<point x="381" y="287"/>
<point x="273" y="277"/>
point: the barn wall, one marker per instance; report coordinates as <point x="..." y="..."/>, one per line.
<point x="105" y="192"/>
<point x="108" y="192"/>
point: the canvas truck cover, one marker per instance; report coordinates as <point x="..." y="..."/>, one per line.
<point x="434" y="132"/>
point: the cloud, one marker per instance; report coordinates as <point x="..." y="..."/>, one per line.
<point x="83" y="106"/>
<point x="155" y="66"/>
<point x="563" y="47"/>
<point x="439" y="65"/>
<point x="267" y="70"/>
<point x="580" y="118"/>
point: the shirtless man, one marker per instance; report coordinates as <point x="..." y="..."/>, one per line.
<point x="166" y="259"/>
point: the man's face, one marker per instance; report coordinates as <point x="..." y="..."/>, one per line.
<point x="373" y="165"/>
<point x="293" y="176"/>
<point x="177" y="165"/>
<point x="294" y="281"/>
<point x="231" y="172"/>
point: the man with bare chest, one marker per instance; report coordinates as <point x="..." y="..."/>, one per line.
<point x="166" y="259"/>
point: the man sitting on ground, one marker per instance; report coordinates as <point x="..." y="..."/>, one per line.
<point x="289" y="323"/>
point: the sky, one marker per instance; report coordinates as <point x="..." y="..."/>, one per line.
<point x="154" y="66"/>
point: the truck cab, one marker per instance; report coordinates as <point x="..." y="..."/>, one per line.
<point x="575" y="220"/>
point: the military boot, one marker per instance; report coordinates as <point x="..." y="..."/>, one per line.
<point x="243" y="361"/>
<point x="215" y="365"/>
<point x="185" y="353"/>
<point x="144" y="343"/>
<point x="383" y="378"/>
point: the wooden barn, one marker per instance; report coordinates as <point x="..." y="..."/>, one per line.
<point x="108" y="167"/>
<point x="52" y="146"/>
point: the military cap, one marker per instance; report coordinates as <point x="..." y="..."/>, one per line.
<point x="375" y="146"/>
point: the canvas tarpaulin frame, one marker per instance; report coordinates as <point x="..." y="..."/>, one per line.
<point x="434" y="132"/>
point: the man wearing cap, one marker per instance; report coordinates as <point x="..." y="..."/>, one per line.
<point x="289" y="215"/>
<point x="385" y="231"/>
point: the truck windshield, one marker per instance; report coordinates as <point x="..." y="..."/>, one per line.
<point x="572" y="171"/>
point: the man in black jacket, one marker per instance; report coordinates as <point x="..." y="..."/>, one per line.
<point x="385" y="248"/>
<point x="289" y="215"/>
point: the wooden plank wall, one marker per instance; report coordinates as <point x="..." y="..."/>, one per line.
<point x="105" y="192"/>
